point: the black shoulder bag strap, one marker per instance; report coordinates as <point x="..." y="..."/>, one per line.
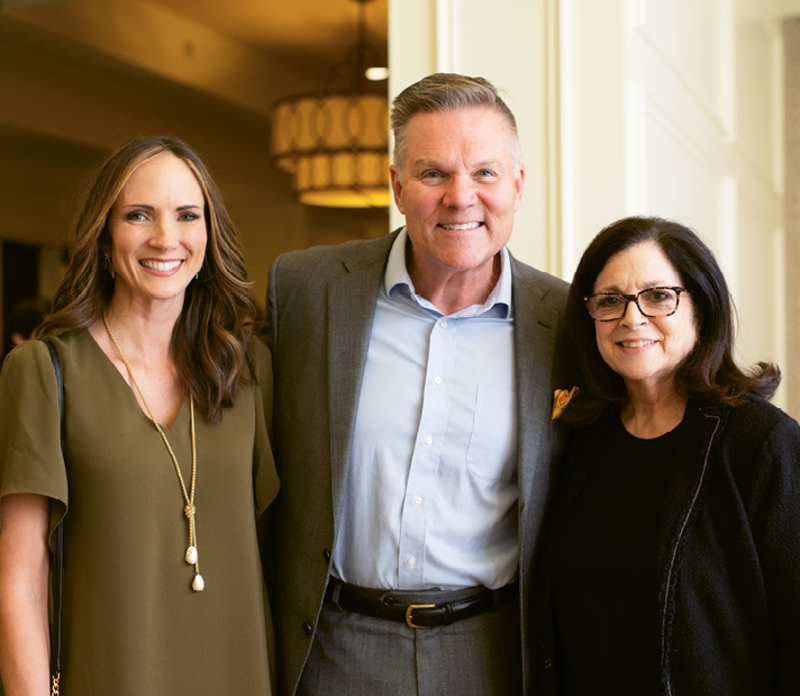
<point x="57" y="563"/>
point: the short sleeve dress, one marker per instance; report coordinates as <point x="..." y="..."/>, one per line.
<point x="132" y="625"/>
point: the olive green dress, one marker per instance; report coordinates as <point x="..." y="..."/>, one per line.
<point x="132" y="623"/>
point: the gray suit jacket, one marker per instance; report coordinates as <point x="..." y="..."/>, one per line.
<point x="320" y="308"/>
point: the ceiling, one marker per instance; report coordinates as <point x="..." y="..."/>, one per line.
<point x="311" y="34"/>
<point x="248" y="53"/>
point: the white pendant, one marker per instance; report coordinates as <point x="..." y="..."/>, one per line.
<point x="191" y="555"/>
<point x="198" y="584"/>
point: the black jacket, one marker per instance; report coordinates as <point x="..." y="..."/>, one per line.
<point x="727" y="554"/>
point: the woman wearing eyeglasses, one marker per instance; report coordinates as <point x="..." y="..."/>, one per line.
<point x="672" y="559"/>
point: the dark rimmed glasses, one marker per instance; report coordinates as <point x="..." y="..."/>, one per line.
<point x="652" y="302"/>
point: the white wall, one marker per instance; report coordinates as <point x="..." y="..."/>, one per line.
<point x="661" y="107"/>
<point x="673" y="108"/>
<point x="792" y="204"/>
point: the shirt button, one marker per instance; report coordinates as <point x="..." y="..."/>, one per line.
<point x="428" y="440"/>
<point x="438" y="380"/>
<point x="418" y="500"/>
<point x="307" y="628"/>
<point x="443" y="323"/>
<point x="412" y="561"/>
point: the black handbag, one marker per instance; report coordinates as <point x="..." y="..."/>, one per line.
<point x="57" y="560"/>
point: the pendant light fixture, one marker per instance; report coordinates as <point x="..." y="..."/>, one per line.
<point x="336" y="143"/>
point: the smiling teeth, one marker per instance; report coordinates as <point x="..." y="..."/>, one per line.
<point x="162" y="266"/>
<point x="465" y="226"/>
<point x="635" y="344"/>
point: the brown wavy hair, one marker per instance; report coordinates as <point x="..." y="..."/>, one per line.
<point x="212" y="342"/>
<point x="710" y="373"/>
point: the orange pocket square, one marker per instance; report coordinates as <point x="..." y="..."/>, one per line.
<point x="561" y="397"/>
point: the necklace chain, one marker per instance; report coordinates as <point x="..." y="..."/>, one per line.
<point x="189" y="510"/>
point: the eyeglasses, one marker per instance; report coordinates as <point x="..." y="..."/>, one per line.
<point x="652" y="302"/>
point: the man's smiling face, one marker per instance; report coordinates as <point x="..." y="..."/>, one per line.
<point x="458" y="189"/>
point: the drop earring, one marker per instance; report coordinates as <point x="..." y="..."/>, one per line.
<point x="110" y="267"/>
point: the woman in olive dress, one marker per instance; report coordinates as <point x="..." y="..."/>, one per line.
<point x="167" y="463"/>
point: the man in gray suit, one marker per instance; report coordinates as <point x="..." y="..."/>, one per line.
<point x="414" y="377"/>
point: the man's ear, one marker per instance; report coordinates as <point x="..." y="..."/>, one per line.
<point x="519" y="184"/>
<point x="397" y="188"/>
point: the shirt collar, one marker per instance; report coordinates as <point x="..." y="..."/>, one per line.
<point x="397" y="282"/>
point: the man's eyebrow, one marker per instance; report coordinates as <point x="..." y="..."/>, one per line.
<point x="496" y="163"/>
<point x="425" y="163"/>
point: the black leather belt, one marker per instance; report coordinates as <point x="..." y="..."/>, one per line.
<point x="423" y="609"/>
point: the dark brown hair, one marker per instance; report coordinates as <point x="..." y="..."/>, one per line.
<point x="212" y="341"/>
<point x="710" y="373"/>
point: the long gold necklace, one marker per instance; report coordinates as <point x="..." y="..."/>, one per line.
<point x="189" y="510"/>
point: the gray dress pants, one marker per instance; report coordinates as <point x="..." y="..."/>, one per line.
<point x="357" y="655"/>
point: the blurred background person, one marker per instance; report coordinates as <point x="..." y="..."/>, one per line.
<point x="672" y="564"/>
<point x="22" y="321"/>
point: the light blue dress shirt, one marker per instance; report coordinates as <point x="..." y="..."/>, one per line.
<point x="431" y="492"/>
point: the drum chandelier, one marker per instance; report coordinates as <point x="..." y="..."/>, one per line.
<point x="336" y="143"/>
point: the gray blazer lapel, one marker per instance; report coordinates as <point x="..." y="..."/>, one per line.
<point x="352" y="296"/>
<point x="535" y="332"/>
<point x="538" y="304"/>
